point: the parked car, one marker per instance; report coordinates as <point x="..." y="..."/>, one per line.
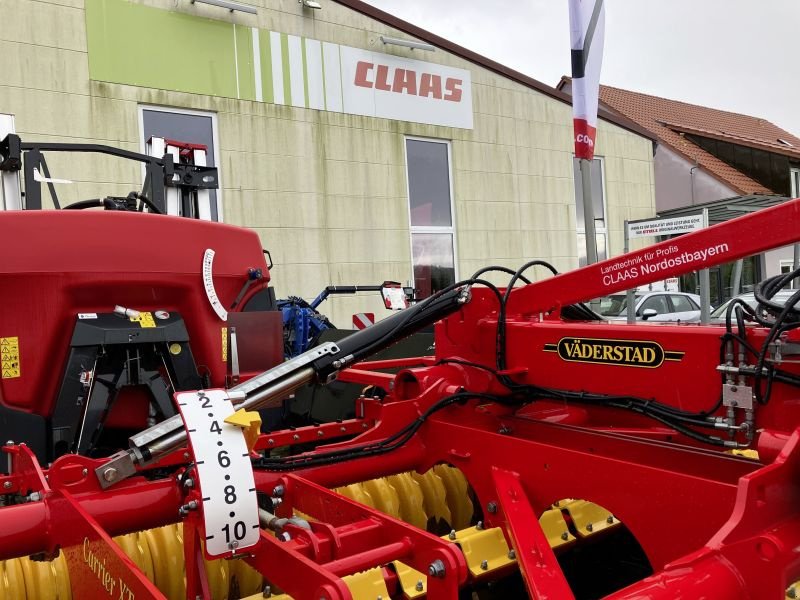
<point x="718" y="315"/>
<point x="652" y="307"/>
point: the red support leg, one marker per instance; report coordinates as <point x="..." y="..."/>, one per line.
<point x="540" y="569"/>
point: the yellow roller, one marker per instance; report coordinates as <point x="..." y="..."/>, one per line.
<point x="411" y="500"/>
<point x="46" y="580"/>
<point x="12" y="580"/>
<point x="434" y="496"/>
<point x="138" y="550"/>
<point x="458" y="500"/>
<point x="356" y="493"/>
<point x="440" y="494"/>
<point x="166" y="548"/>
<point x="384" y="496"/>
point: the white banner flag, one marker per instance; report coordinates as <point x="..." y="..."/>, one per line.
<point x="587" y="26"/>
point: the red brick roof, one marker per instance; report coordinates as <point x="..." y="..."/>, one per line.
<point x="669" y="119"/>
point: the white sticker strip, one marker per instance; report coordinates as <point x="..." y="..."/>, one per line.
<point x="208" y="284"/>
<point x="224" y="472"/>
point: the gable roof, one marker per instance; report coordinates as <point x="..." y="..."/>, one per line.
<point x="487" y="63"/>
<point x="669" y="120"/>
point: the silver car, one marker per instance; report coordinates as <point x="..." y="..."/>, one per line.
<point x="780" y="297"/>
<point x="652" y="307"/>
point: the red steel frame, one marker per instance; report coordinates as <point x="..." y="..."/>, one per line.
<point x="711" y="524"/>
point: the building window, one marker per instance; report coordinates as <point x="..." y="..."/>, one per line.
<point x="599" y="203"/>
<point x="787" y="266"/>
<point x="794" y="176"/>
<point x="430" y="201"/>
<point x="187" y="126"/>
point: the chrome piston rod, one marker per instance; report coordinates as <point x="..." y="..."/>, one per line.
<point x="259" y="392"/>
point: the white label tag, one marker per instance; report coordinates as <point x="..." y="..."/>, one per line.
<point x="396" y="297"/>
<point x="87" y="315"/>
<point x="224" y="471"/>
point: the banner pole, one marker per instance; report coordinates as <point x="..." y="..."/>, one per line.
<point x="588" y="211"/>
<point x="630" y="296"/>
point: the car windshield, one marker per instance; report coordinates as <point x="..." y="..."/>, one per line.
<point x="615" y="304"/>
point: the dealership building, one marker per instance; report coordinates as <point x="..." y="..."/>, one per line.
<point x="359" y="147"/>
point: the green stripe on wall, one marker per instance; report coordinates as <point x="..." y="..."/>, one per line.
<point x="267" y="88"/>
<point x="193" y="54"/>
<point x="305" y="69"/>
<point x="244" y="62"/>
<point x="287" y="76"/>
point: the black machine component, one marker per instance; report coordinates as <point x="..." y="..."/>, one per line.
<point x="110" y="352"/>
<point x="16" y="155"/>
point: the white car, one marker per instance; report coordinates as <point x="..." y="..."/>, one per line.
<point x="652" y="307"/>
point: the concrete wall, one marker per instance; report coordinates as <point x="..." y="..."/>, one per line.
<point x="678" y="186"/>
<point x="327" y="191"/>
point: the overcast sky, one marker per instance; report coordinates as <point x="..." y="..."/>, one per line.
<point x="738" y="55"/>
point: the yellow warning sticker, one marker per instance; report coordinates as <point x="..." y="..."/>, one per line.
<point x="9" y="357"/>
<point x="224" y="344"/>
<point x="145" y="319"/>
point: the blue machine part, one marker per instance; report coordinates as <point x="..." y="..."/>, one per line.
<point x="302" y="325"/>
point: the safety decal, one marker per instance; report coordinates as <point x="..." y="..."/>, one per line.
<point x="9" y="357"/>
<point x="224" y="344"/>
<point x="627" y="353"/>
<point x="145" y="319"/>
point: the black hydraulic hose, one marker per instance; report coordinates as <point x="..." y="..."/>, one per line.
<point x="383" y="446"/>
<point x="774" y="332"/>
<point x="501" y="269"/>
<point x="501" y="318"/>
<point x="386" y="332"/>
<point x="81" y="204"/>
<point x="153" y="208"/>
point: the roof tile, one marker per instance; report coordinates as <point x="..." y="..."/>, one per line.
<point x="667" y="119"/>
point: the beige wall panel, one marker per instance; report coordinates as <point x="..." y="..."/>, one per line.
<point x="491" y="216"/>
<point x="363" y="179"/>
<point x="42" y="24"/>
<point x="555" y="246"/>
<point x="46" y="68"/>
<point x="374" y="273"/>
<point x="495" y="158"/>
<point x="547" y="217"/>
<point x="472" y="245"/>
<point x="294" y="245"/>
<point x="269" y="172"/>
<point x="551" y="163"/>
<point x="503" y="244"/>
<point x="297" y="279"/>
<point x="493" y="129"/>
<point x="486" y="187"/>
<point x="327" y="118"/>
<point x="274" y="209"/>
<point x="361" y="212"/>
<point x="361" y="145"/>
<point x="266" y="135"/>
<point x="69" y="115"/>
<point x="529" y="105"/>
<point x="367" y="246"/>
<point x="493" y="100"/>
